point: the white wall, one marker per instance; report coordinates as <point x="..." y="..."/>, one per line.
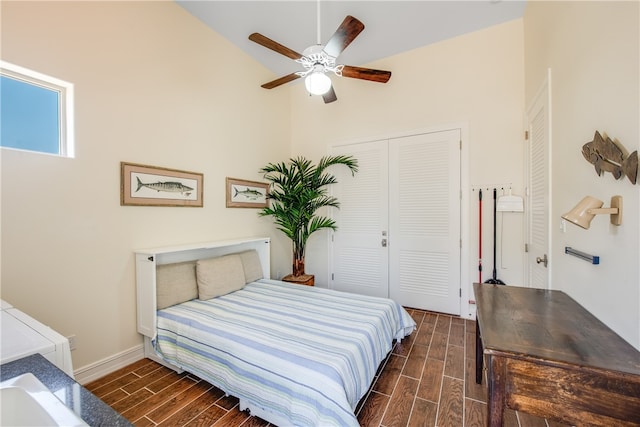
<point x="477" y="79"/>
<point x="153" y="85"/>
<point x="593" y="50"/>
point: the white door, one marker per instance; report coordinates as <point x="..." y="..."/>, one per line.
<point x="359" y="262"/>
<point x="424" y="221"/>
<point x="399" y="221"/>
<point x="539" y="190"/>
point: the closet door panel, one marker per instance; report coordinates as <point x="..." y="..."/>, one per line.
<point x="359" y="261"/>
<point x="424" y="221"/>
<point x="539" y="200"/>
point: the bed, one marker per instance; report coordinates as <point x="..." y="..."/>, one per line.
<point x="292" y="354"/>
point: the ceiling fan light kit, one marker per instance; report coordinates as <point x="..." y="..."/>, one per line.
<point x="318" y="60"/>
<point x="317" y="83"/>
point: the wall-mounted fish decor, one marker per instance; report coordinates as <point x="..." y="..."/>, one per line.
<point x="609" y="156"/>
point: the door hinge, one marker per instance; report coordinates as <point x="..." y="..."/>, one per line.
<point x="526" y="247"/>
<point x="460" y="243"/>
<point x="526" y="135"/>
<point x="460" y="145"/>
<point x="331" y="276"/>
<point x="460" y="289"/>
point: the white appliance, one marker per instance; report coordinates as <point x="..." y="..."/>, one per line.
<point x="22" y="336"/>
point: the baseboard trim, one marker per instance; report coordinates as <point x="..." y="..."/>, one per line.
<point x="99" y="369"/>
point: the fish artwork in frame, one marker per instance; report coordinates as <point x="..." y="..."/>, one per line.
<point x="246" y="194"/>
<point x="143" y="185"/>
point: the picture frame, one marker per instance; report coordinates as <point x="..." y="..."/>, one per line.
<point x="144" y="185"/>
<point x="246" y="194"/>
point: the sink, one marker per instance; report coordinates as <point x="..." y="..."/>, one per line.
<point x="25" y="401"/>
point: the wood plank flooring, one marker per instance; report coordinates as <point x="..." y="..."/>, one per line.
<point x="427" y="380"/>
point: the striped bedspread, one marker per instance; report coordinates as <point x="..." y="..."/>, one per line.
<point x="307" y="355"/>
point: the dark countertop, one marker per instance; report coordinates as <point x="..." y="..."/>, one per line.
<point x="84" y="403"/>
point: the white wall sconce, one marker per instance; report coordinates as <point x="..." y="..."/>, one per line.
<point x="589" y="207"/>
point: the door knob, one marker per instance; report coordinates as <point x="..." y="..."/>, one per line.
<point x="542" y="260"/>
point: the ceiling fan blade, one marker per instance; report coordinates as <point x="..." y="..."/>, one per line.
<point x="330" y="96"/>
<point x="366" y="74"/>
<point x="282" y="80"/>
<point x="344" y="35"/>
<point x="274" y="46"/>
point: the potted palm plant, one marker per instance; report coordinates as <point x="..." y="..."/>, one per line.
<point x="297" y="191"/>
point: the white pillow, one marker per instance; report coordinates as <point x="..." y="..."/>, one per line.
<point x="175" y="283"/>
<point x="219" y="276"/>
<point x="251" y="265"/>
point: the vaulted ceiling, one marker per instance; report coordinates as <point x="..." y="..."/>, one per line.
<point x="391" y="26"/>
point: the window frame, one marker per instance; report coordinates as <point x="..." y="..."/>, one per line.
<point x="65" y="90"/>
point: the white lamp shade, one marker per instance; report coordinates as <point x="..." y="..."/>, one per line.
<point x="581" y="214"/>
<point x="317" y="83"/>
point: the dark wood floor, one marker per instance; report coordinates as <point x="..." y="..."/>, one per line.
<point x="427" y="380"/>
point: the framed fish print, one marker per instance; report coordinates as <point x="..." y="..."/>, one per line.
<point x="246" y="194"/>
<point x="143" y="185"/>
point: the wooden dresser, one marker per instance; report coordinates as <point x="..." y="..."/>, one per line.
<point x="548" y="356"/>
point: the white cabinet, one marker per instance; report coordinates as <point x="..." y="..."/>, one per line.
<point x="22" y="336"/>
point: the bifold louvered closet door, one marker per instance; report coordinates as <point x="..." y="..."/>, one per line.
<point x="399" y="221"/>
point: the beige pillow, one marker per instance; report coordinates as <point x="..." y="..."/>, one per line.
<point x="175" y="283"/>
<point x="251" y="265"/>
<point x="219" y="276"/>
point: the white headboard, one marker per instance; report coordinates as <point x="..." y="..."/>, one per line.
<point x="148" y="259"/>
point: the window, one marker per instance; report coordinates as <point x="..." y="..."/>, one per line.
<point x="36" y="111"/>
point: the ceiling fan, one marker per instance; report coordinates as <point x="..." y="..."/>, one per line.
<point x="318" y="60"/>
